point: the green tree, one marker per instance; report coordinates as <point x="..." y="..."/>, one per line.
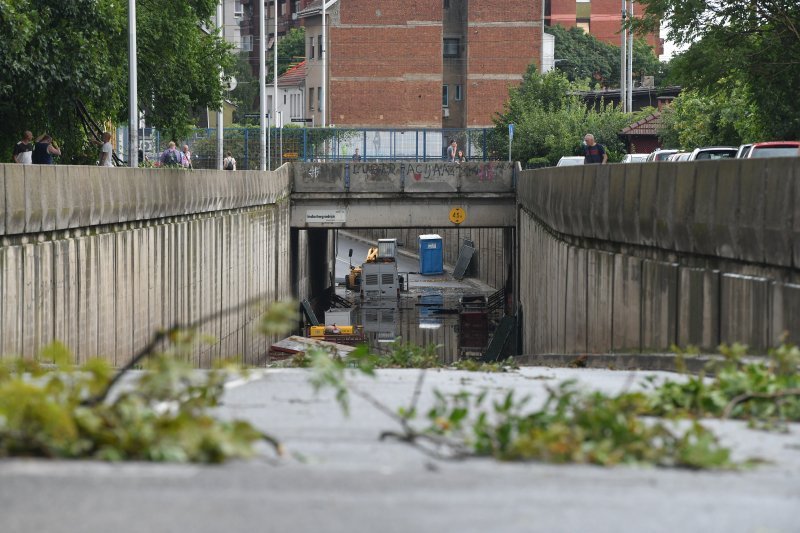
<point x="55" y="53"/>
<point x="727" y="116"/>
<point x="291" y="50"/>
<point x="550" y="122"/>
<point x="582" y="56"/>
<point x="757" y="43"/>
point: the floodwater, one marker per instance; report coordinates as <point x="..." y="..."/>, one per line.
<point x="427" y="312"/>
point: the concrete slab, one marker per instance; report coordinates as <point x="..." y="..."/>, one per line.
<point x="745" y="304"/>
<point x="659" y="305"/>
<point x="599" y="301"/>
<point x="785" y="313"/>
<point x="750" y="214"/>
<point x="726" y="200"/>
<point x="664" y="214"/>
<point x="684" y="206"/>
<point x="33" y="198"/>
<point x="576" y="301"/>
<point x="630" y="204"/>
<point x="2" y="202"/>
<point x="626" y="327"/>
<point x="703" y="215"/>
<point x="648" y="196"/>
<point x="599" y="204"/>
<point x="616" y="199"/>
<point x="698" y="308"/>
<point x="778" y="211"/>
<point x="312" y="177"/>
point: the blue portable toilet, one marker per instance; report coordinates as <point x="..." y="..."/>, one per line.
<point x="431" y="258"/>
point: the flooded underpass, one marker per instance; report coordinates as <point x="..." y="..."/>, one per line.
<point x="458" y="316"/>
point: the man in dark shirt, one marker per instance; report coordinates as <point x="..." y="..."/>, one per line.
<point x="593" y="152"/>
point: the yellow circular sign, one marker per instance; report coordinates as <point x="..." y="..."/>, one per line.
<point x="457" y="215"/>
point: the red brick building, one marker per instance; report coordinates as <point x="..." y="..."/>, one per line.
<point x="420" y="63"/>
<point x="600" y="18"/>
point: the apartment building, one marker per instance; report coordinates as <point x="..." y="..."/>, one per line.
<point x="600" y="18"/>
<point x="248" y="22"/>
<point x="418" y="63"/>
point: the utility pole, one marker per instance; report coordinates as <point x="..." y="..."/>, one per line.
<point x="323" y="108"/>
<point x="220" y="117"/>
<point x="623" y="95"/>
<point x="262" y="83"/>
<point x="275" y="69"/>
<point x="630" y="62"/>
<point x="133" y="103"/>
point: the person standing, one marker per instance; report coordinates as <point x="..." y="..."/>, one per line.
<point x="23" y="150"/>
<point x="187" y="156"/>
<point x="229" y="163"/>
<point x="106" y="151"/>
<point x="460" y="157"/>
<point x="44" y="150"/>
<point x="171" y="157"/>
<point x="356" y="155"/>
<point x="452" y="150"/>
<point x="593" y="152"/>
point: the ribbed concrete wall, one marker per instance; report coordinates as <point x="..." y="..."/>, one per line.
<point x="100" y="259"/>
<point x="635" y="258"/>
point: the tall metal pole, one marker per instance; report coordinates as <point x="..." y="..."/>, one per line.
<point x="630" y="62"/>
<point x="133" y="103"/>
<point x="275" y="69"/>
<point x="323" y="108"/>
<point x="220" y="118"/>
<point x="262" y="84"/>
<point x="623" y="95"/>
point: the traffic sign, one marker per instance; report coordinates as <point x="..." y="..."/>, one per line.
<point x="457" y="215"/>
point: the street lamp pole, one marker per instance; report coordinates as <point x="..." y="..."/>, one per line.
<point x="220" y="117"/>
<point x="262" y="84"/>
<point x="133" y="103"/>
<point x="275" y="69"/>
<point x="623" y="95"/>
<point x="630" y="62"/>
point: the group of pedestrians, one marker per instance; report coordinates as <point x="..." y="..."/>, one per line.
<point x="454" y="155"/>
<point x="38" y="152"/>
<point x="172" y="157"/>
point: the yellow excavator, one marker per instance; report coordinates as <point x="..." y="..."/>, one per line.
<point x="353" y="280"/>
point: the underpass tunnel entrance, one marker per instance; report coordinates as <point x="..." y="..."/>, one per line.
<point x="464" y="308"/>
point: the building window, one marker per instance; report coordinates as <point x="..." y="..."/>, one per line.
<point x="319" y="98"/>
<point x="269" y="101"/>
<point x="296" y="7"/>
<point x="459" y="96"/>
<point x="319" y="45"/>
<point x="311" y="52"/>
<point x="238" y="11"/>
<point x="451" y="47"/>
<point x="311" y="99"/>
<point x="246" y="44"/>
<point x="284" y="98"/>
<point x="445" y="96"/>
<point x="282" y="9"/>
<point x="584" y="26"/>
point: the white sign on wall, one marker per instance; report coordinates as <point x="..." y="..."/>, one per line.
<point x="326" y="216"/>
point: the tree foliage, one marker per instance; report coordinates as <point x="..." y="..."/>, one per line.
<point x="582" y="56"/>
<point x="55" y="53"/>
<point x="551" y="123"/>
<point x="757" y="43"/>
<point x="725" y="117"/>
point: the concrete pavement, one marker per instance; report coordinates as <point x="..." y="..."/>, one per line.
<point x="338" y="477"/>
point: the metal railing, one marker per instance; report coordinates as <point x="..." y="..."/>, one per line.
<point x="326" y="144"/>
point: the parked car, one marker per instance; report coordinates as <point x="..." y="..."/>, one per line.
<point x="634" y="158"/>
<point x="775" y="149"/>
<point x="568" y="161"/>
<point x="744" y="151"/>
<point x="712" y="152"/>
<point x="679" y="156"/>
<point x="660" y="155"/>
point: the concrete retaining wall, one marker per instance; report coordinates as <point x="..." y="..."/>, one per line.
<point x="410" y="177"/>
<point x="100" y="259"/>
<point x="635" y="258"/>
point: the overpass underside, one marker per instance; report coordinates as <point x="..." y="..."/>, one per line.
<point x="404" y="195"/>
